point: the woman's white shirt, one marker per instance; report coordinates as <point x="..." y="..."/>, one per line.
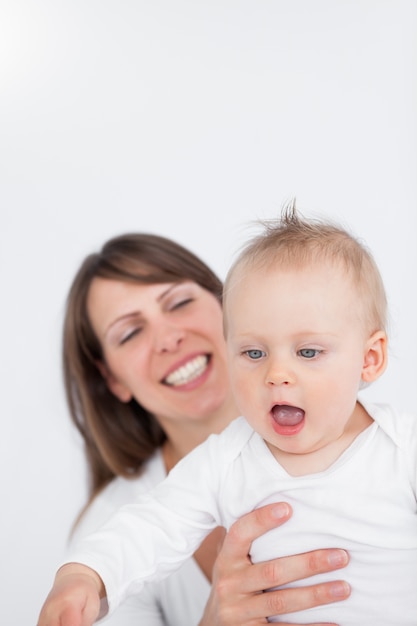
<point x="178" y="600"/>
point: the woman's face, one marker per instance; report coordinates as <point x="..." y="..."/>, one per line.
<point x="162" y="345"/>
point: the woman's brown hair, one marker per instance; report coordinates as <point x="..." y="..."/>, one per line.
<point x="118" y="437"/>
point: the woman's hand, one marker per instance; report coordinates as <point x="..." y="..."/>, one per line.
<point x="74" y="600"/>
<point x="236" y="598"/>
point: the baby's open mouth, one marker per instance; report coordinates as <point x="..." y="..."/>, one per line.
<point x="285" y="415"/>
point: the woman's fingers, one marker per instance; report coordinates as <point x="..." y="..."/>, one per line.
<point x="252" y="609"/>
<point x="237" y="596"/>
<point x="246" y="529"/>
<point x="238" y="541"/>
<point x="287" y="601"/>
<point x="287" y="569"/>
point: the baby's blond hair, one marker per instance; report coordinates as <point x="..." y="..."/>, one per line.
<point x="294" y="242"/>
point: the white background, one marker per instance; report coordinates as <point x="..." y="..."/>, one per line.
<point x="190" y="119"/>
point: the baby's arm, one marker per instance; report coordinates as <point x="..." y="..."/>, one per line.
<point x="75" y="599"/>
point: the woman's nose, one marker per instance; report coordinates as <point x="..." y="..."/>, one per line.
<point x="168" y="338"/>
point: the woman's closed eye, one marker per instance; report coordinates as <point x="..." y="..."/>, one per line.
<point x="180" y="303"/>
<point x="129" y="334"/>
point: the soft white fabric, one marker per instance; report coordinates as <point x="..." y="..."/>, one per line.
<point x="178" y="600"/>
<point x="365" y="502"/>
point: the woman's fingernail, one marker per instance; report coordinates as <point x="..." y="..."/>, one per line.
<point x="340" y="589"/>
<point x="281" y="510"/>
<point x="338" y="558"/>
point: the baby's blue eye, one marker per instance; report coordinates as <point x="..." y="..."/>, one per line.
<point x="309" y="353"/>
<point x="255" y="354"/>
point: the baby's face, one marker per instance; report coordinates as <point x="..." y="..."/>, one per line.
<point x="298" y="348"/>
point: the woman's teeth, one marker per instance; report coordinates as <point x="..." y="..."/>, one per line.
<point x="187" y="372"/>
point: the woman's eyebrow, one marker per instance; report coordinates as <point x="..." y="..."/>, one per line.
<point x="122" y="318"/>
<point x="166" y="292"/>
<point x="138" y="313"/>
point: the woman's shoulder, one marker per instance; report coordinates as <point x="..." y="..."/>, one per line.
<point x="118" y="492"/>
<point x="121" y="490"/>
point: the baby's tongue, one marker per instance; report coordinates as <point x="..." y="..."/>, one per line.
<point x="285" y="415"/>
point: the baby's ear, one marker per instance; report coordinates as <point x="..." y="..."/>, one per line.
<point x="375" y="357"/>
<point x="114" y="386"/>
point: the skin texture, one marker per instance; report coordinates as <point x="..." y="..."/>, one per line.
<point x="147" y="333"/>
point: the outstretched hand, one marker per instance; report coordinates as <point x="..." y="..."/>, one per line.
<point x="236" y="598"/>
<point x="74" y="600"/>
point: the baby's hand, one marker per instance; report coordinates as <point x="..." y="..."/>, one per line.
<point x="74" y="600"/>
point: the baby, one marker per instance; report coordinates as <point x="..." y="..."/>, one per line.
<point x="305" y="324"/>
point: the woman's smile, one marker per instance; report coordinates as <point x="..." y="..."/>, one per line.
<point x="187" y="372"/>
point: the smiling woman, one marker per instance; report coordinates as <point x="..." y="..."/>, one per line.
<point x="162" y="345"/>
<point x="109" y="332"/>
<point x="146" y="382"/>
